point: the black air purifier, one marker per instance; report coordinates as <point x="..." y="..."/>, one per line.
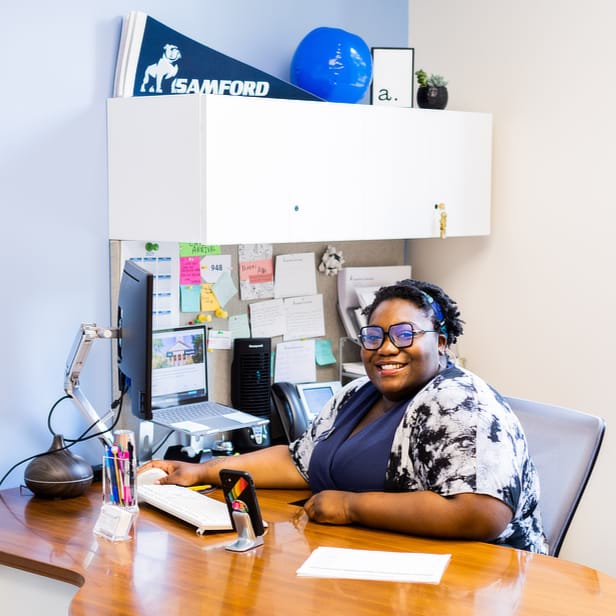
<point x="250" y="389"/>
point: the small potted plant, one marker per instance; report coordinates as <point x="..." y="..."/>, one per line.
<point x="432" y="91"/>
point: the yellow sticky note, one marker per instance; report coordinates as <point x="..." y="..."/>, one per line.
<point x="208" y="299"/>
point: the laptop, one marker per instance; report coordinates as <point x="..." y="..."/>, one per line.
<point x="180" y="398"/>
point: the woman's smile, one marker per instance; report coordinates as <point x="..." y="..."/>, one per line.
<point x="386" y="368"/>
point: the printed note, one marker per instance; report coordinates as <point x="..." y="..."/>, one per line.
<point x="213" y="266"/>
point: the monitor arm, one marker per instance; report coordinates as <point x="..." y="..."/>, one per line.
<point x="87" y="334"/>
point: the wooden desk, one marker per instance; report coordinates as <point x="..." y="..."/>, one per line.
<point x="168" y="569"/>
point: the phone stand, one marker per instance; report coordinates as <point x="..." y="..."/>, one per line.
<point x="246" y="538"/>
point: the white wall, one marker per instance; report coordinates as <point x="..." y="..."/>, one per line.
<point x="53" y="176"/>
<point x="538" y="295"/>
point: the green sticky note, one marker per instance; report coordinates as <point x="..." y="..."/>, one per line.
<point x="323" y="353"/>
<point x="191" y="249"/>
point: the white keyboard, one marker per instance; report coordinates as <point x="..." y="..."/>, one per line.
<point x="197" y="509"/>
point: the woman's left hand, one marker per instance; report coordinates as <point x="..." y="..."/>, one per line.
<point x="329" y="507"/>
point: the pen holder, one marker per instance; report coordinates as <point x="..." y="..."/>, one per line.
<point x="119" y="508"/>
<point x="246" y="538"/>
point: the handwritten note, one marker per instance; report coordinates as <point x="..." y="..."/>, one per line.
<point x="256" y="271"/>
<point x="190" y="270"/>
<point x="208" y="299"/>
<point x="304" y="317"/>
<point x="294" y="362"/>
<point x="190" y="249"/>
<point x="267" y="318"/>
<point x="295" y="275"/>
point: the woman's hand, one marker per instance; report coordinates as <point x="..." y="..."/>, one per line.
<point x="329" y="507"/>
<point x="271" y="467"/>
<point x="179" y="473"/>
<point x="423" y="513"/>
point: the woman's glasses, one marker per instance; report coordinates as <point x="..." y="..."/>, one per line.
<point x="400" y="334"/>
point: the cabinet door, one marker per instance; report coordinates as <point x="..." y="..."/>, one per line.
<point x="282" y="171"/>
<point x="246" y="149"/>
<point x="325" y="172"/>
<point x="398" y="200"/>
<point x="460" y="171"/>
<point x="421" y="158"/>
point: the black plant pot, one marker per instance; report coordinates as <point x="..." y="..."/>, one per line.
<point x="59" y="474"/>
<point x="430" y="97"/>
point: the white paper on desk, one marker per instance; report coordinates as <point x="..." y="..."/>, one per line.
<point x="304" y="317"/>
<point x="267" y="318"/>
<point x="375" y="565"/>
<point x="295" y="362"/>
<point x="295" y="275"/>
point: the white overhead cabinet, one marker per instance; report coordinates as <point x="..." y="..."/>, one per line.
<point x="229" y="170"/>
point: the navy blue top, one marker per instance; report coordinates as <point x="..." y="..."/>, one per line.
<point x="357" y="463"/>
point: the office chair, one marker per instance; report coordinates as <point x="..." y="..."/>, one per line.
<point x="564" y="445"/>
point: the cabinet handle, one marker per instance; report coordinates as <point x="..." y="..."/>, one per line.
<point x="442" y="220"/>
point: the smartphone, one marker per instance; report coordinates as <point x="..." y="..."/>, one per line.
<point x="240" y="495"/>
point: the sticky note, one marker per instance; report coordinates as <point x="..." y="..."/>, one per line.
<point x="324" y="355"/>
<point x="190" y="298"/>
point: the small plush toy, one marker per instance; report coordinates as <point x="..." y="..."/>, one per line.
<point x="331" y="261"/>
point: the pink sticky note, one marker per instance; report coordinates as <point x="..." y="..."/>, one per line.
<point x="190" y="270"/>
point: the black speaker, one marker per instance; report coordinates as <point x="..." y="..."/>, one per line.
<point x="251" y="389"/>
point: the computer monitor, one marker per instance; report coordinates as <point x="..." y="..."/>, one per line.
<point x="135" y="307"/>
<point x="315" y="395"/>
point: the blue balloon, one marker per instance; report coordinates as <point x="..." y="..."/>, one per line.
<point x="332" y="64"/>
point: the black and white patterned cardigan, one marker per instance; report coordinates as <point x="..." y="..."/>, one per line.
<point x="457" y="436"/>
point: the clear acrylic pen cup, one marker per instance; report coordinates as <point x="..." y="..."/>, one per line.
<point x="120" y="471"/>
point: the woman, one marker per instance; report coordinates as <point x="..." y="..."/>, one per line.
<point x="419" y="446"/>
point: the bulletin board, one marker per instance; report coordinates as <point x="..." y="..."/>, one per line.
<point x="247" y="284"/>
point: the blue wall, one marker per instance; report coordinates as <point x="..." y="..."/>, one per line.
<point x="53" y="177"/>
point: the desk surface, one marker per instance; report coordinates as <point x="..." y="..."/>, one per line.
<point x="168" y="569"/>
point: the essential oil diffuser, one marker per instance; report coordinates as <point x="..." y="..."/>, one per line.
<point x="60" y="474"/>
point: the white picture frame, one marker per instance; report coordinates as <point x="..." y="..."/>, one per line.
<point x="393" y="76"/>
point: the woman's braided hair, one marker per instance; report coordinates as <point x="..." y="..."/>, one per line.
<point x="420" y="293"/>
